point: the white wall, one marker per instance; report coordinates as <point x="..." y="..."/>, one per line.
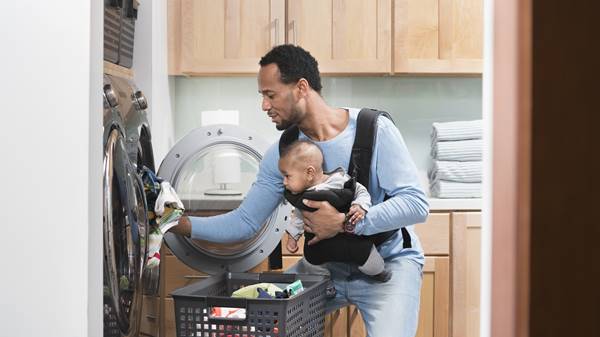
<point x="414" y="103"/>
<point x="151" y="73"/>
<point x="50" y="169"/>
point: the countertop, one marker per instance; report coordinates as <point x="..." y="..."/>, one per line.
<point x="203" y="202"/>
<point x="473" y="204"/>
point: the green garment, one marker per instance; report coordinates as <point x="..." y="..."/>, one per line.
<point x="252" y="292"/>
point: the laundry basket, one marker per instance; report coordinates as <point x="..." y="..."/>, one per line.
<point x="302" y="315"/>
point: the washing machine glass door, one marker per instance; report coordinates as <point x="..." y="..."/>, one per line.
<point x="125" y="231"/>
<point x="212" y="168"/>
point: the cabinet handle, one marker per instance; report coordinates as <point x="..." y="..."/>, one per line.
<point x="276" y="22"/>
<point x="293" y="26"/>
<point x="151" y="317"/>
<point x="193" y="277"/>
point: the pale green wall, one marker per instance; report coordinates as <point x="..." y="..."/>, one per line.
<point x="414" y="102"/>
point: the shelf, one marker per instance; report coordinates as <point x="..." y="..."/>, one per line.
<point x="119" y="71"/>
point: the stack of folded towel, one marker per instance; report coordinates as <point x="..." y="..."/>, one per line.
<point x="456" y="149"/>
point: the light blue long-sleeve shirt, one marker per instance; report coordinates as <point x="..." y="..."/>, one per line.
<point x="393" y="173"/>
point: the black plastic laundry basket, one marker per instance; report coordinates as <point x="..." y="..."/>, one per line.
<point x="302" y="315"/>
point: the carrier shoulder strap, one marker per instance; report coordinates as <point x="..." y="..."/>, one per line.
<point x="362" y="155"/>
<point x="364" y="142"/>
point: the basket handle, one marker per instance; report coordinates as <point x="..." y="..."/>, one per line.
<point x="277" y="277"/>
<point x="227" y="303"/>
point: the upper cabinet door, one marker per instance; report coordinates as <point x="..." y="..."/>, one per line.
<point x="438" y="36"/>
<point x="345" y="36"/>
<point x="223" y="37"/>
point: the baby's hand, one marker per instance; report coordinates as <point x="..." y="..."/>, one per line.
<point x="292" y="244"/>
<point x="356" y="213"/>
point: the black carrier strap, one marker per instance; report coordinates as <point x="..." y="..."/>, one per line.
<point x="360" y="162"/>
<point x="360" y="159"/>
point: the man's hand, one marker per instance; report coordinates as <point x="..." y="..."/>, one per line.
<point x="184" y="227"/>
<point x="324" y="223"/>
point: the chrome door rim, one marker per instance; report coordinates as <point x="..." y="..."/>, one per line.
<point x="128" y="322"/>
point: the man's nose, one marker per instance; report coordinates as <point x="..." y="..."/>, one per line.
<point x="266" y="105"/>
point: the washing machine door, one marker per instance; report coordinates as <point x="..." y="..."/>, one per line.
<point x="212" y="168"/>
<point x="125" y="232"/>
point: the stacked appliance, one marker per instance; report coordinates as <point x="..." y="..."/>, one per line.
<point x="127" y="149"/>
<point x="192" y="167"/>
<point x="119" y="29"/>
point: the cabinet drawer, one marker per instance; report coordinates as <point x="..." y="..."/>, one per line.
<point x="176" y="274"/>
<point x="150" y="316"/>
<point x="434" y="234"/>
<point x="169" y="329"/>
<point x="289" y="261"/>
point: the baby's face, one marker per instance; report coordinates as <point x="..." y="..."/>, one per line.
<point x="295" y="177"/>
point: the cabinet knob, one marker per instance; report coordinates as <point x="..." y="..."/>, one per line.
<point x="140" y="100"/>
<point x="110" y="96"/>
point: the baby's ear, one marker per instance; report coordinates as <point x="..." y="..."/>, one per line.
<point x="310" y="171"/>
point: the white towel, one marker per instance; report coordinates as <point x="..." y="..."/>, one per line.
<point x="460" y="150"/>
<point x="460" y="130"/>
<point x="459" y="171"/>
<point x="450" y="189"/>
<point x="167" y="197"/>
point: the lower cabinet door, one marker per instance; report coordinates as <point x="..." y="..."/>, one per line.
<point x="435" y="298"/>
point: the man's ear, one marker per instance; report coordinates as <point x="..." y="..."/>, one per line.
<point x="303" y="87"/>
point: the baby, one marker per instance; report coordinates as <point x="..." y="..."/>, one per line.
<point x="301" y="165"/>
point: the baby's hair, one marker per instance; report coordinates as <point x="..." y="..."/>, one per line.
<point x="305" y="152"/>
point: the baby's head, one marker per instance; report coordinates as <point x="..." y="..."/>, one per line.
<point x="301" y="165"/>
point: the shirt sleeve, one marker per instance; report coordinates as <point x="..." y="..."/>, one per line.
<point x="262" y="199"/>
<point x="362" y="197"/>
<point x="395" y="176"/>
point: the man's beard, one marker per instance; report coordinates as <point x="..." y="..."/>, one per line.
<point x="294" y="119"/>
<point x="283" y="125"/>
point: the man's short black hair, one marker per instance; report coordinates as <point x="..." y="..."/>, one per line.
<point x="294" y="63"/>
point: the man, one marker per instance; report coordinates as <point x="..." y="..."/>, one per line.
<point x="290" y="85"/>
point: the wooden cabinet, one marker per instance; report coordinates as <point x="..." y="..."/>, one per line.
<point x="449" y="293"/>
<point x="466" y="272"/>
<point x="218" y="37"/>
<point x="149" y="322"/>
<point x="345" y="36"/>
<point x="435" y="298"/>
<point x="229" y="37"/>
<point x="451" y="287"/>
<point x="434" y="311"/>
<point x="438" y="36"/>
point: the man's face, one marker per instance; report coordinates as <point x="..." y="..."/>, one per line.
<point x="278" y="99"/>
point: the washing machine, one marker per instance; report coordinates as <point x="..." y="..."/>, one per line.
<point x="211" y="168"/>
<point x="127" y="147"/>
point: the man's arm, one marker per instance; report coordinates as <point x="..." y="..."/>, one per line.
<point x="395" y="171"/>
<point x="243" y="222"/>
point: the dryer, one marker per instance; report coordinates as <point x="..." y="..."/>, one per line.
<point x="200" y="167"/>
<point x="125" y="219"/>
